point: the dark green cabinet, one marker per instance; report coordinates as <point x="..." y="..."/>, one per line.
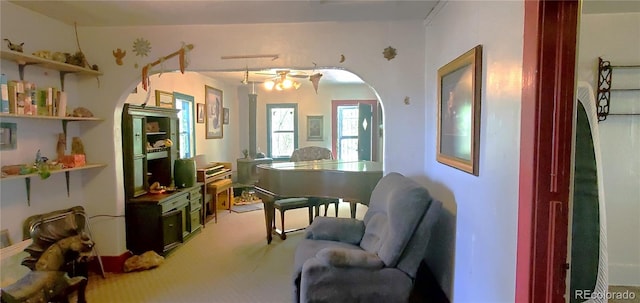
<point x="148" y="156"/>
<point x="158" y="222"/>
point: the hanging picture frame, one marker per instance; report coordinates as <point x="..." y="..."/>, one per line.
<point x="213" y="112"/>
<point x="459" y="91"/>
<point x="315" y="128"/>
<point x="8" y="136"/>
<point x="200" y="112"/>
<point x="164" y="99"/>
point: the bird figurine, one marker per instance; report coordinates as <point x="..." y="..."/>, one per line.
<point x="14" y="47"/>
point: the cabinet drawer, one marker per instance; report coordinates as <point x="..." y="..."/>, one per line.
<point x="193" y="204"/>
<point x="195" y="220"/>
<point x="175" y="203"/>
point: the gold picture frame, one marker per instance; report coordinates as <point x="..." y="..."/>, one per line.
<point x="213" y="112"/>
<point x="459" y="93"/>
<point x="164" y="99"/>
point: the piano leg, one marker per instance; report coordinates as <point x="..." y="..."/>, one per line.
<point x="269" y="213"/>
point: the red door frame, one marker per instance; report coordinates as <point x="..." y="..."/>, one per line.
<point x="549" y="60"/>
<point x="334" y="125"/>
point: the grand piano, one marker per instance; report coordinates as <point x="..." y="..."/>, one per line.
<point x="352" y="181"/>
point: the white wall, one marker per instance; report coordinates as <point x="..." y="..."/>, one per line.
<point x="33" y="135"/>
<point x="473" y="253"/>
<point x="614" y="37"/>
<point x="299" y="45"/>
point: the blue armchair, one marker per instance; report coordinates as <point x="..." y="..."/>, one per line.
<point x="369" y="260"/>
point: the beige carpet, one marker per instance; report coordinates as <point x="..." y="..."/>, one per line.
<point x="227" y="262"/>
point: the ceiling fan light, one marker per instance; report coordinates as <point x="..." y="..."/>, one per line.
<point x="269" y="84"/>
<point x="296" y="84"/>
<point x="279" y="86"/>
<point x="287" y="83"/>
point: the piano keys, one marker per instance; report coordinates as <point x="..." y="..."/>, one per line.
<point x="352" y="181"/>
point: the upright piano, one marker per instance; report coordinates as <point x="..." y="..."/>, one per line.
<point x="352" y="181"/>
<point x="210" y="173"/>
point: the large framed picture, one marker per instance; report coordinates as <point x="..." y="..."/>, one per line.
<point x="315" y="126"/>
<point x="459" y="91"/>
<point x="213" y="107"/>
<point x="164" y="99"/>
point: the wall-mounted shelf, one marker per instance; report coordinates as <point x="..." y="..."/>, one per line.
<point x="66" y="171"/>
<point x="24" y="59"/>
<point x="64" y="120"/>
<point x="605" y="75"/>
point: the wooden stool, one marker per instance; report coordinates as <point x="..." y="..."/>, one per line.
<point x="220" y="187"/>
<point x="290" y="203"/>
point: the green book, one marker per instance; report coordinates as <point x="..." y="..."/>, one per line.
<point x="41" y="102"/>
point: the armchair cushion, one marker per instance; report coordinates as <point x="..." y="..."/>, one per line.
<point x="342" y="257"/>
<point x="345" y="230"/>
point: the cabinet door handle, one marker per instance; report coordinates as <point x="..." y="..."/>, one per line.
<point x="170" y="225"/>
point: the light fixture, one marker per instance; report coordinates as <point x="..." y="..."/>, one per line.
<point x="281" y="82"/>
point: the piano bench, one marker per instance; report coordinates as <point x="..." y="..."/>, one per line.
<point x="291" y="203"/>
<point x="217" y="188"/>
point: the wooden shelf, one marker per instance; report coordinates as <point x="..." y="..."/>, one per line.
<point x="88" y="166"/>
<point x="25" y="59"/>
<point x="66" y="171"/>
<point x="68" y="118"/>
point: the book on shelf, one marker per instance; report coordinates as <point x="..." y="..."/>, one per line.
<point x="4" y="94"/>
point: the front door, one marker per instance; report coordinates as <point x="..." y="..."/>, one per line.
<point x="365" y="115"/>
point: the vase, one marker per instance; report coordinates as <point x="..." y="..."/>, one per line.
<point x="184" y="172"/>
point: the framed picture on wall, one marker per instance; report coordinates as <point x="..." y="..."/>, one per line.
<point x="459" y="91"/>
<point x="315" y="127"/>
<point x="8" y="136"/>
<point x="226" y="116"/>
<point x="213" y="112"/>
<point x="164" y="99"/>
<point x="199" y="112"/>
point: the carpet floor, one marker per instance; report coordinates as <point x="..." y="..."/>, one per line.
<point x="226" y="262"/>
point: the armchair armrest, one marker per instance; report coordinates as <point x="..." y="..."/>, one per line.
<point x="344" y="257"/>
<point x="346" y="230"/>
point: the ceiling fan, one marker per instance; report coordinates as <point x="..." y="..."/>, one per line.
<point x="281" y="79"/>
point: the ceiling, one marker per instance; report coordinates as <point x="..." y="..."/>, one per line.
<point x="162" y="12"/>
<point x="153" y="12"/>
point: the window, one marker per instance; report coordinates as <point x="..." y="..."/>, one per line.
<point x="186" y="116"/>
<point x="348" y="132"/>
<point x="282" y="129"/>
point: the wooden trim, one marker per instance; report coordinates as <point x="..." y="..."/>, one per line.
<point x="549" y="58"/>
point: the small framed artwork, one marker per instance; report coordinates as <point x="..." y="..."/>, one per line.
<point x="8" y="136"/>
<point x="226" y="116"/>
<point x="315" y="126"/>
<point x="199" y="112"/>
<point x="459" y="91"/>
<point x="164" y="99"/>
<point x="213" y="110"/>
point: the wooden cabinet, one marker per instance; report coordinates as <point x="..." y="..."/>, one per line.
<point x="148" y="156"/>
<point x="158" y="222"/>
<point x="161" y="222"/>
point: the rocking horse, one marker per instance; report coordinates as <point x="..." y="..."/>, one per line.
<point x="57" y="258"/>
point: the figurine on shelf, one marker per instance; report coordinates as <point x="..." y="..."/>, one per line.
<point x="14" y="47"/>
<point x="61" y="146"/>
<point x="77" y="148"/>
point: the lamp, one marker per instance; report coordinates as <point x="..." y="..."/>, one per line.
<point x="281" y="82"/>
